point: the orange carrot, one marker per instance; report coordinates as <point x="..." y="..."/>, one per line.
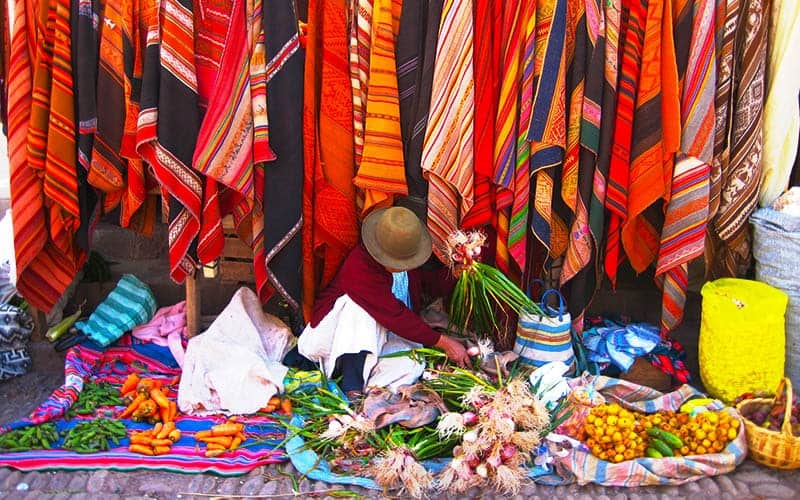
<point x="214" y="453"/>
<point x="139" y="448"/>
<point x="139" y="439"/>
<point x="241" y="436"/>
<point x="159" y="398"/>
<point x="129" y="384"/>
<point x="268" y="409"/>
<point x="168" y="427"/>
<point x="227" y="429"/>
<point x="157" y="428"/>
<point x="222" y="440"/>
<point x="202" y="434"/>
<point x="140" y="398"/>
<point x="274" y="401"/>
<point x="174" y="435"/>
<point x="286" y="406"/>
<point x="215" y="446"/>
<point x="161" y="450"/>
<point x="161" y="442"/>
<point x="173" y="410"/>
<point x="163" y="413"/>
<point x="235" y="443"/>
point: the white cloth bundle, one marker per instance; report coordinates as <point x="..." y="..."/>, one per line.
<point x="234" y="367"/>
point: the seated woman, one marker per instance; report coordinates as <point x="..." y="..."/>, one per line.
<point x="369" y="307"/>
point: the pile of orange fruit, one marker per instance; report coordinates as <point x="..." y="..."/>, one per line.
<point x="615" y="434"/>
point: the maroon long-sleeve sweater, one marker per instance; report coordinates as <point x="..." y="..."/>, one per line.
<point x="369" y="285"/>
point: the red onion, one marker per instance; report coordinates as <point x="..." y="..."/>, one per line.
<point x="469" y="418"/>
<point x="508" y="451"/>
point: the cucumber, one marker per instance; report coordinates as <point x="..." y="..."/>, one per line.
<point x="671" y="439"/>
<point x="661" y="447"/>
<point x="653" y="453"/>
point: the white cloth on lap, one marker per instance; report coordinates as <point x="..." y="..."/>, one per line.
<point x="349" y="329"/>
<point x="234" y="367"/>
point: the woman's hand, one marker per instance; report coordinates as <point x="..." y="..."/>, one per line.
<point x="454" y="349"/>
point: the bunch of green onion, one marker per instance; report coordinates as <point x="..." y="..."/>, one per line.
<point x="481" y="289"/>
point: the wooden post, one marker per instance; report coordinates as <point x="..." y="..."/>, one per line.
<point x="192" y="306"/>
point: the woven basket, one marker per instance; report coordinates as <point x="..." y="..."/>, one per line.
<point x="779" y="450"/>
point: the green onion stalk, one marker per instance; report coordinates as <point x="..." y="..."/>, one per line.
<point x="481" y="290"/>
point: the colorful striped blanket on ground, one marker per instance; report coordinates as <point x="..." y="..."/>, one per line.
<point x="91" y="362"/>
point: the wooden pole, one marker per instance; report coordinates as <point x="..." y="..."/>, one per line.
<point x="192" y="306"/>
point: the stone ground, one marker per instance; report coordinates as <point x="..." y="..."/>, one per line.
<point x="19" y="396"/>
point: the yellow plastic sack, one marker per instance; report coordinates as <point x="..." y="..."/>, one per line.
<point x="742" y="337"/>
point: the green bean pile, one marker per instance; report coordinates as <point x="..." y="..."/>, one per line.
<point x="94" y="435"/>
<point x="34" y="437"/>
<point x="92" y="396"/>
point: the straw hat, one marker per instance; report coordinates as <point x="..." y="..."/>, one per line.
<point x="396" y="238"/>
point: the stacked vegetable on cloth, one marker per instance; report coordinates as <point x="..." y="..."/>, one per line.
<point x="155" y="441"/>
<point x="146" y="401"/>
<point x="222" y="438"/>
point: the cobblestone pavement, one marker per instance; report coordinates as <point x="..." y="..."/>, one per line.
<point x="19" y="396"/>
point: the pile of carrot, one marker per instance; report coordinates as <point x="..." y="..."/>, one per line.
<point x="146" y="401"/>
<point x="155" y="441"/>
<point x="221" y="438"/>
<point x="277" y="404"/>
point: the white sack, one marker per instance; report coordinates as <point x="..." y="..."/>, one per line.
<point x="234" y="367"/>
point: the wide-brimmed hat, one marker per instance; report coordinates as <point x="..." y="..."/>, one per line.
<point x="396" y="238"/>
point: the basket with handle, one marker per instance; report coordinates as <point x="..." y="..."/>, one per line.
<point x="780" y="450"/>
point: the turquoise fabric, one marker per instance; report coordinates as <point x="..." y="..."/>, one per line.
<point x="129" y="304"/>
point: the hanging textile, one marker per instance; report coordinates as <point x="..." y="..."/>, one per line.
<point x="588" y="69"/>
<point x="519" y="219"/>
<point x="251" y="219"/>
<point x="781" y="111"/>
<point x="727" y="17"/>
<point x="547" y="130"/>
<point x="360" y="34"/>
<point x="329" y="210"/>
<point x="416" y="54"/>
<point x="381" y="172"/>
<point x="588" y="280"/>
<point x="486" y="54"/>
<point x="683" y="235"/>
<point x="503" y="52"/>
<point x="447" y="152"/>
<point x="169" y="122"/>
<point x="107" y="166"/>
<point x="225" y="144"/>
<point x="727" y="22"/>
<point x="283" y="177"/>
<point x="51" y="131"/>
<point x="633" y="31"/>
<point x="740" y="180"/>
<point x="85" y="46"/>
<point x="507" y="125"/>
<point x="576" y="174"/>
<point x="5" y="52"/>
<point x="656" y="137"/>
<point x="43" y="270"/>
